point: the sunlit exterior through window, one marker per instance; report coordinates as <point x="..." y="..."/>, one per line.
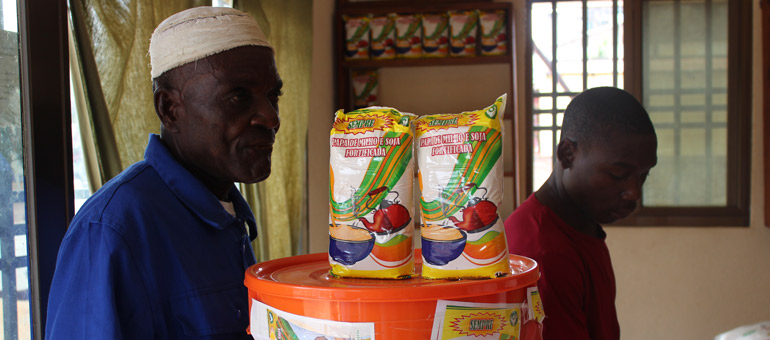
<point x="14" y="271"/>
<point x="576" y="45"/>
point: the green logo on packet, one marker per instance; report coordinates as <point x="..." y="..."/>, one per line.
<point x="491" y="112"/>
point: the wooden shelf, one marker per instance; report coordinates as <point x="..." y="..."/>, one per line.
<point x="343" y="67"/>
<point x="411" y="6"/>
<point x="421" y="62"/>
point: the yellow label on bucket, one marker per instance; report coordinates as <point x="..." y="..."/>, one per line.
<point x="536" y="311"/>
<point x="456" y="320"/>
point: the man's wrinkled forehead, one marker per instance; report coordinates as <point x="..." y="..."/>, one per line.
<point x="201" y="32"/>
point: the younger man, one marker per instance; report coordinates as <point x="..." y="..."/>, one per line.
<point x="606" y="150"/>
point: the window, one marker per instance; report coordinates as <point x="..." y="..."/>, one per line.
<point x="14" y="276"/>
<point x="79" y="172"/>
<point x="222" y="3"/>
<point x="684" y="88"/>
<point x="689" y="64"/>
<point x="576" y="45"/>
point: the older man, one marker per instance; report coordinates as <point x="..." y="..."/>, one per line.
<point x="160" y="251"/>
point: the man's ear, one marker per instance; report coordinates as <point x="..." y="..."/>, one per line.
<point x="565" y="152"/>
<point x="168" y="107"/>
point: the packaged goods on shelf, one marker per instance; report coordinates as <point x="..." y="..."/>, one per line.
<point x="356" y="37"/>
<point x="494" y="38"/>
<point x="365" y="88"/>
<point x="463" y="27"/>
<point x="435" y="35"/>
<point x="383" y="36"/>
<point x="408" y="36"/>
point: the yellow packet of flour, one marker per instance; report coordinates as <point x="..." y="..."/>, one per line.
<point x="435" y="35"/>
<point x="383" y="31"/>
<point x="356" y="37"/>
<point x="460" y="163"/>
<point x="370" y="194"/>
<point x="408" y="36"/>
<point x="365" y="87"/>
<point x="493" y="32"/>
<point x="463" y="27"/>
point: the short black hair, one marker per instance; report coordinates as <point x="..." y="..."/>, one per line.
<point x="596" y="112"/>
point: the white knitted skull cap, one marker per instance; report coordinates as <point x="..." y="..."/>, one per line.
<point x="199" y="32"/>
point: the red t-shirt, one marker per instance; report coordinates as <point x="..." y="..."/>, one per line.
<point x="577" y="284"/>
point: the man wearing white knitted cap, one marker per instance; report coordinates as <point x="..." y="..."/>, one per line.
<point x="160" y="251"/>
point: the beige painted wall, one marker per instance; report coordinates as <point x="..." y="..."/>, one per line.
<point x="673" y="283"/>
<point x="693" y="283"/>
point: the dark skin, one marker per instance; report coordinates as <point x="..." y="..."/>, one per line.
<point x="598" y="183"/>
<point x="219" y="116"/>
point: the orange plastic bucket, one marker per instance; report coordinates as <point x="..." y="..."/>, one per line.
<point x="400" y="309"/>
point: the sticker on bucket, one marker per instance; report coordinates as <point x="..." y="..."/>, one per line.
<point x="535" y="311"/>
<point x="268" y="323"/>
<point x="455" y="320"/>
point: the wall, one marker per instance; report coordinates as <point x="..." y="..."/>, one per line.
<point x="693" y="283"/>
<point x="673" y="283"/>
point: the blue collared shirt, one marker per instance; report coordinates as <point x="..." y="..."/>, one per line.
<point x="153" y="254"/>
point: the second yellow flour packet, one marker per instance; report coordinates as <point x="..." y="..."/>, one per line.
<point x="460" y="163"/>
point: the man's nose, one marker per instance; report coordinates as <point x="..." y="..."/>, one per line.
<point x="266" y="115"/>
<point x="633" y="189"/>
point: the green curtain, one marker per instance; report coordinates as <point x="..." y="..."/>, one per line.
<point x="115" y="100"/>
<point x="280" y="203"/>
<point x="112" y="39"/>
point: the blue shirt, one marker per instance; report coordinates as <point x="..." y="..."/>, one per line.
<point x="153" y="254"/>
